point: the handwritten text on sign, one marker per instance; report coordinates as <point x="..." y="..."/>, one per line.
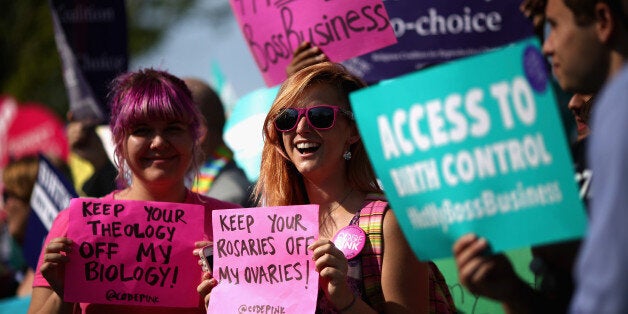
<point x="482" y="153"/>
<point x="342" y="29"/>
<point x="133" y="252"/>
<point x="261" y="259"/>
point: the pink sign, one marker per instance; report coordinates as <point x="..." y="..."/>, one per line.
<point x="261" y="260"/>
<point x="133" y="253"/>
<point x="342" y="29"/>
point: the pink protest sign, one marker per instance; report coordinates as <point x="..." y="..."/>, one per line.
<point x="342" y="29"/>
<point x="133" y="252"/>
<point x="261" y="260"/>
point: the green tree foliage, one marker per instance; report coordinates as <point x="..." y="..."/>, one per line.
<point x="29" y="63"/>
<point x="30" y="67"/>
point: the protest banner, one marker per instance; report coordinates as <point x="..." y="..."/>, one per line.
<point x="261" y="260"/>
<point x="475" y="145"/>
<point x="51" y="194"/>
<point x="133" y="252"/>
<point x="91" y="38"/>
<point x="431" y="31"/>
<point x="342" y="29"/>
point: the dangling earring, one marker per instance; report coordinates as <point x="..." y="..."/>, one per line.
<point x="347" y="155"/>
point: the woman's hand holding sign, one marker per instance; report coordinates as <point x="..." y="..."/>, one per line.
<point x="304" y="56"/>
<point x="208" y="282"/>
<point x="55" y="258"/>
<point x="332" y="265"/>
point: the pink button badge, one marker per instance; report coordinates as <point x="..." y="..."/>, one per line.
<point x="350" y="240"/>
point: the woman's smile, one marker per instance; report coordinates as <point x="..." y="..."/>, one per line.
<point x="306" y="148"/>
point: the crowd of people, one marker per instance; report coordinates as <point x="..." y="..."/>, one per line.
<point x="167" y="134"/>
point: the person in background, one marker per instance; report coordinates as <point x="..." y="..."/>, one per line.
<point x="596" y="37"/>
<point x="588" y="45"/>
<point x="87" y="145"/>
<point x="156" y="130"/>
<point x="8" y="266"/>
<point x="219" y="176"/>
<point x="580" y="106"/>
<point x="19" y="178"/>
<point x="601" y="273"/>
<point x="534" y="10"/>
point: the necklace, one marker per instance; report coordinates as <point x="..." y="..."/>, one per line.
<point x="331" y="210"/>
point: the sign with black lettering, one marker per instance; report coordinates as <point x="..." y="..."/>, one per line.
<point x="342" y="29"/>
<point x="261" y="260"/>
<point x="133" y="252"/>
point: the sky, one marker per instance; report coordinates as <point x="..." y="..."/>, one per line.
<point x="191" y="46"/>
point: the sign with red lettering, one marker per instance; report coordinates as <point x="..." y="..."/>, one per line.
<point x="133" y="252"/>
<point x="261" y="260"/>
<point x="342" y="29"/>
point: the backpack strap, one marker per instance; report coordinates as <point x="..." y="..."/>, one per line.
<point x="371" y="221"/>
<point x="440" y="296"/>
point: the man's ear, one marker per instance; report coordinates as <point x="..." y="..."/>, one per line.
<point x="604" y="22"/>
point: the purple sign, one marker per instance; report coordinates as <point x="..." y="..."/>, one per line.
<point x="430" y="32"/>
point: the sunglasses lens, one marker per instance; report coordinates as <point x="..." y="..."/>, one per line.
<point x="287" y="119"/>
<point x="321" y="117"/>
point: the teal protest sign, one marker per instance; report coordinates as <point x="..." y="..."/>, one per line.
<point x="475" y="145"/>
<point x="243" y="129"/>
